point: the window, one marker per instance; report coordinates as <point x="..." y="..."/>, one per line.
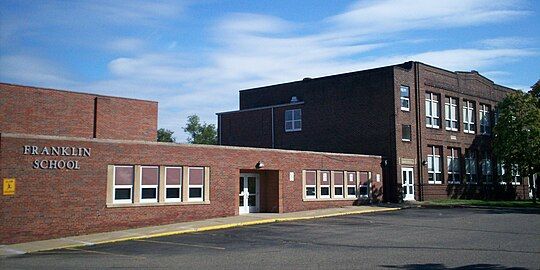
<point x="450" y="113"/>
<point x="406" y="133"/>
<point x="470" y="167"/>
<point x="405" y="100"/>
<point x="432" y="110"/>
<point x="434" y="165"/>
<point x="452" y="161"/>
<point x="325" y="184"/>
<point x="149" y="183"/>
<point x="501" y="171"/>
<point x="487" y="174"/>
<point x="196" y="184"/>
<point x="338" y="184"/>
<point x="469" y="120"/>
<point x="293" y="120"/>
<point x="173" y="184"/>
<point x="363" y="187"/>
<point x="485" y="124"/>
<point x="516" y="176"/>
<point x="123" y="184"/>
<point x="351" y="185"/>
<point x="311" y="180"/>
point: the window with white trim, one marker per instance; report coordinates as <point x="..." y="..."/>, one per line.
<point x="363" y="185"/>
<point x="405" y="98"/>
<point x="173" y="184"/>
<point x="485" y="164"/>
<point x="485" y="124"/>
<point x="351" y="184"/>
<point x="311" y="184"/>
<point x="338" y="185"/>
<point x="293" y="120"/>
<point x="450" y="113"/>
<point x="149" y="183"/>
<point x="324" y="184"/>
<point x="516" y="176"/>
<point x="453" y="166"/>
<point x="501" y="172"/>
<point x="432" y="110"/>
<point x="123" y="184"/>
<point x="196" y="184"/>
<point x="469" y="117"/>
<point x="470" y="167"/>
<point x="434" y="166"/>
<point x="406" y="133"/>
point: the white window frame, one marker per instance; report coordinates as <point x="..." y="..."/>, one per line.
<point x="190" y="186"/>
<point x="153" y="200"/>
<point x="173" y="186"/>
<point x="347" y="177"/>
<point x="123" y="186"/>
<point x="339" y="186"/>
<point x="487" y="168"/>
<point x="434" y="165"/>
<point x="469" y="115"/>
<point x="470" y="167"/>
<point x="450" y="113"/>
<point x="314" y="196"/>
<point x="434" y="114"/>
<point x="325" y="185"/>
<point x="402" y="98"/>
<point x="516" y="175"/>
<point x="484" y="119"/>
<point x="453" y="166"/>
<point x="296" y="124"/>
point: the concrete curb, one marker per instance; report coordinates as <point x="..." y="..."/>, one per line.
<point x="7" y="250"/>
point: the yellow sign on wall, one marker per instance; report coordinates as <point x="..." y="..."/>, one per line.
<point x="9" y="186"/>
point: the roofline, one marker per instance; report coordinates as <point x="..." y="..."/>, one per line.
<point x="352" y="73"/>
<point x="262" y="108"/>
<point x="66" y="138"/>
<point x="75" y="92"/>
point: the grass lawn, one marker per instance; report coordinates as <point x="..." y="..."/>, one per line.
<point x="450" y="202"/>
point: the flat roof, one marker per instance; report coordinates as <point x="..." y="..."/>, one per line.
<point x="73" y="92"/>
<point x="66" y="138"/>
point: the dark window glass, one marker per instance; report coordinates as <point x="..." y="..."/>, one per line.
<point x="195" y="192"/>
<point x="173" y="193"/>
<point x="351" y="191"/>
<point x="310" y="191"/>
<point x="325" y="191"/>
<point x="148" y="193"/>
<point x="339" y="191"/>
<point x="363" y="190"/>
<point x="122" y="194"/>
<point x="406" y="132"/>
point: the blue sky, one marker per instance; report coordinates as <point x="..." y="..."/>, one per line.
<point x="194" y="56"/>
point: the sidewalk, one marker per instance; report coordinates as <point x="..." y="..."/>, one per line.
<point x="184" y="227"/>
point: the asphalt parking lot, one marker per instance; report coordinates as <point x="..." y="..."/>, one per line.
<point x="406" y="239"/>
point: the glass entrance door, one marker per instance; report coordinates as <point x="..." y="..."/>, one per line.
<point x="249" y="193"/>
<point x="407" y="178"/>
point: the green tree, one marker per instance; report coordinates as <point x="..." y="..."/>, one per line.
<point x="165" y="135"/>
<point x="517" y="133"/>
<point x="200" y="133"/>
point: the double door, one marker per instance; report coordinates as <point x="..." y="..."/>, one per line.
<point x="249" y="193"/>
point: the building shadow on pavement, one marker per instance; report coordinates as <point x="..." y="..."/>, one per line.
<point x="438" y="266"/>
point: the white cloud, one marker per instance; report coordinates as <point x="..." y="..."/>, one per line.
<point x="33" y="71"/>
<point x="126" y="44"/>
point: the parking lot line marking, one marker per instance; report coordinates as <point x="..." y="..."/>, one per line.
<point x="107" y="253"/>
<point x="179" y="244"/>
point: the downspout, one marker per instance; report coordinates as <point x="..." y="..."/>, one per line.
<point x="418" y="133"/>
<point x="273" y="145"/>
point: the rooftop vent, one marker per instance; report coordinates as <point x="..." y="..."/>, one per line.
<point x="294" y="99"/>
<point x="306" y="79"/>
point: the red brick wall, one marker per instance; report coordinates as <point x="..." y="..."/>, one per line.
<point x="58" y="203"/>
<point x="32" y="110"/>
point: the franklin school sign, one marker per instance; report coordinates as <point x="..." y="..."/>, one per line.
<point x="59" y="151"/>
